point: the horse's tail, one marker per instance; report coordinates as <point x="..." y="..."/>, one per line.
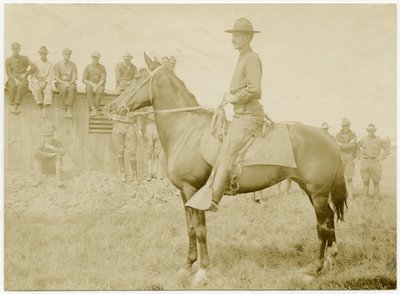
<point x="339" y="192"/>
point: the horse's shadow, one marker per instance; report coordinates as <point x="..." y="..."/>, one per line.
<point x="293" y="254"/>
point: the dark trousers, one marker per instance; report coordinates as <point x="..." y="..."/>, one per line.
<point x="67" y="95"/>
<point x="15" y="91"/>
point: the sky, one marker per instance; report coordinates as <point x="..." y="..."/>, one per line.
<point x="321" y="62"/>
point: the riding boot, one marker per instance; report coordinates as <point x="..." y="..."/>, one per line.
<point x="121" y="167"/>
<point x="149" y="169"/>
<point x="154" y="172"/>
<point x="134" y="172"/>
<point x="350" y="188"/>
<point x="376" y="190"/>
<point x="59" y="181"/>
<point x="365" y="190"/>
<point x="220" y="182"/>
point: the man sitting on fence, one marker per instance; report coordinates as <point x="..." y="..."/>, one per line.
<point x="66" y="74"/>
<point x="125" y="72"/>
<point x="48" y="156"/>
<point x="94" y="77"/>
<point x="17" y="71"/>
<point x="42" y="81"/>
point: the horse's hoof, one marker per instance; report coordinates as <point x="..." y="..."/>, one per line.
<point x="200" y="279"/>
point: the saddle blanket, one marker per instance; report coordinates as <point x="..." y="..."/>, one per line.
<point x="275" y="148"/>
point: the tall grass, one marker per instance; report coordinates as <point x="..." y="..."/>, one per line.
<point x="101" y="235"/>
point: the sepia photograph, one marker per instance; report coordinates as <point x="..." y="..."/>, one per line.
<point x="179" y="146"/>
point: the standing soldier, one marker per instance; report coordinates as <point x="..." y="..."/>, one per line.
<point x="165" y="62"/>
<point x="42" y="81"/>
<point x="245" y="95"/>
<point x="172" y="62"/>
<point x="94" y="76"/>
<point x="153" y="148"/>
<point x="125" y="134"/>
<point x="347" y="141"/>
<point x="125" y="72"/>
<point x="17" y="72"/>
<point x="66" y="75"/>
<point x="325" y="127"/>
<point x="371" y="167"/>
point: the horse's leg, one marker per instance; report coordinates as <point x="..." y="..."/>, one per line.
<point x="192" y="252"/>
<point x="326" y="230"/>
<point x="199" y="221"/>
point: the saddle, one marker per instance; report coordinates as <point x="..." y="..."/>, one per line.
<point x="271" y="146"/>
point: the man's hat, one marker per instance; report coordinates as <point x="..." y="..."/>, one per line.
<point x="15" y="45"/>
<point x="96" y="54"/>
<point x="164" y="58"/>
<point x="324" y="125"/>
<point x="43" y="49"/>
<point x="67" y="51"/>
<point x="242" y="25"/>
<point x="48" y="130"/>
<point x="345" y="121"/>
<point x="371" y="127"/>
<point x="127" y="55"/>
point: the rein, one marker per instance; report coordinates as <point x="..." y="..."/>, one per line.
<point x="172" y="110"/>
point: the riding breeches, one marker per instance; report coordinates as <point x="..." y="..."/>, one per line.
<point x="240" y="131"/>
<point x="124" y="138"/>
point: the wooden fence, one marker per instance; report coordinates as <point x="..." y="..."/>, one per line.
<point x="86" y="148"/>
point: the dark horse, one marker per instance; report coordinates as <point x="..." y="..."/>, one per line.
<point x="319" y="172"/>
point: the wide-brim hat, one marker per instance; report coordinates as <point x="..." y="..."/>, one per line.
<point x="324" y="125"/>
<point x="345" y="122"/>
<point x="371" y="128"/>
<point x="242" y="25"/>
<point x="96" y="54"/>
<point x="127" y="55"/>
<point x="43" y="49"/>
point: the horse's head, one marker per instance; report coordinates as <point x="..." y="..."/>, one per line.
<point x="140" y="93"/>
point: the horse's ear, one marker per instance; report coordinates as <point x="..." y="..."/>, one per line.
<point x="148" y="60"/>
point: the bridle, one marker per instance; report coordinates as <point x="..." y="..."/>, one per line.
<point x="149" y="77"/>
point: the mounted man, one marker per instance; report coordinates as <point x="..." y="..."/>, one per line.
<point x="245" y="95"/>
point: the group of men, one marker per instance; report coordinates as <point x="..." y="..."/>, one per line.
<point x="371" y="150"/>
<point x="43" y="74"/>
<point x="244" y="95"/>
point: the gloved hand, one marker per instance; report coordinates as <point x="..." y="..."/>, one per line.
<point x="228" y="98"/>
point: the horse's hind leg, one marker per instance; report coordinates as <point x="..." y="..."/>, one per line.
<point x="326" y="231"/>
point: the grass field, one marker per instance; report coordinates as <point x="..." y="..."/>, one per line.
<point x="98" y="234"/>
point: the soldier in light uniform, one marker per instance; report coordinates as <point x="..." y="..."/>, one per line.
<point x="42" y="81"/>
<point x="66" y="74"/>
<point x="94" y="76"/>
<point x="153" y="148"/>
<point x="371" y="168"/>
<point x="125" y="134"/>
<point x="347" y="141"/>
<point x="172" y="62"/>
<point x="125" y="72"/>
<point x="165" y="62"/>
<point x="48" y="156"/>
<point x="245" y="95"/>
<point x="18" y="68"/>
